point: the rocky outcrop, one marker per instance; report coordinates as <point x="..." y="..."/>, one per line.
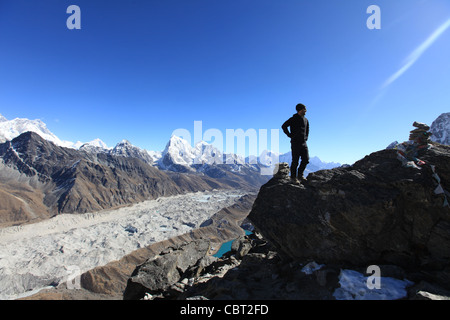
<point x="158" y="273"/>
<point x="377" y="211"/>
<point x="253" y="270"/>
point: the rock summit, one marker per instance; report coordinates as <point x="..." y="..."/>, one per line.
<point x="377" y="211"/>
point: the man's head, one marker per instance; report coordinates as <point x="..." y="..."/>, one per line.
<point x="301" y="109"/>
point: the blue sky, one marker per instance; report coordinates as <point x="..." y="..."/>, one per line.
<point x="138" y="70"/>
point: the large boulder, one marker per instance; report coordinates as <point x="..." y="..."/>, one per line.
<point x="377" y="211"/>
<point x="158" y="273"/>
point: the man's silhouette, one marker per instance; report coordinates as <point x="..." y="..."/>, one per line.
<point x="299" y="131"/>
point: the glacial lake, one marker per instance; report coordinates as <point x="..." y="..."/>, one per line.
<point x="227" y="246"/>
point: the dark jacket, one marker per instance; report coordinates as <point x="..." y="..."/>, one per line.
<point x="299" y="129"/>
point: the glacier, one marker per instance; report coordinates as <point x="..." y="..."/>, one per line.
<point x="39" y="255"/>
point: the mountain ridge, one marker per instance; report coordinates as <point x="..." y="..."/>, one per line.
<point x="65" y="180"/>
<point x="167" y="159"/>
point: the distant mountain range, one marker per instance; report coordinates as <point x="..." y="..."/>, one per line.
<point x="41" y="175"/>
<point x="178" y="155"/>
<point x="39" y="179"/>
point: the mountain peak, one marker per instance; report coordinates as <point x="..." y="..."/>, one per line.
<point x="95" y="145"/>
<point x="124" y="145"/>
<point x="178" y="155"/>
<point x="9" y="129"/>
<point x="125" y="149"/>
<point x="124" y="142"/>
<point x="29" y="141"/>
<point x="178" y="141"/>
<point x="98" y="143"/>
<point x="28" y="135"/>
<point x="440" y="129"/>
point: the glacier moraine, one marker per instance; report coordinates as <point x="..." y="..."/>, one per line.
<point x="37" y="255"/>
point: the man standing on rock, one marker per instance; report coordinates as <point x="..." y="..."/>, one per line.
<point x="299" y="127"/>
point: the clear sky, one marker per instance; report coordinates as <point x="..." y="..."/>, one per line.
<point x="138" y="70"/>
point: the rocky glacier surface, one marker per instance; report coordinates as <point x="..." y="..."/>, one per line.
<point x="44" y="254"/>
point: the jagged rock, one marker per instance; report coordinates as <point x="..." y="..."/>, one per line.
<point x="241" y="246"/>
<point x="260" y="274"/>
<point x="282" y="171"/>
<point x="164" y="270"/>
<point x="373" y="212"/>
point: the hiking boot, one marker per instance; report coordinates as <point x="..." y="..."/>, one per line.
<point x="295" y="181"/>
<point x="303" y="179"/>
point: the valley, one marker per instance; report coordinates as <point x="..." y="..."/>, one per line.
<point x="42" y="254"/>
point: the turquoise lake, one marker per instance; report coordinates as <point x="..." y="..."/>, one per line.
<point x="227" y="246"/>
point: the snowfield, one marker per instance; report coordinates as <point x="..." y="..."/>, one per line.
<point x="353" y="286"/>
<point x="38" y="255"/>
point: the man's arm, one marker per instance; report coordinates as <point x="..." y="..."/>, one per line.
<point x="307" y="130"/>
<point x="285" y="127"/>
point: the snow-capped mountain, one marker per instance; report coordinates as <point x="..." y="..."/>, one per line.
<point x="40" y="179"/>
<point x="205" y="153"/>
<point x="178" y="155"/>
<point x="181" y="157"/>
<point x="96" y="145"/>
<point x="123" y="149"/>
<point x="440" y="129"/>
<point x="9" y="129"/>
<point x="126" y="149"/>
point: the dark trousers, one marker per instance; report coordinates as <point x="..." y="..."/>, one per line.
<point x="299" y="151"/>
